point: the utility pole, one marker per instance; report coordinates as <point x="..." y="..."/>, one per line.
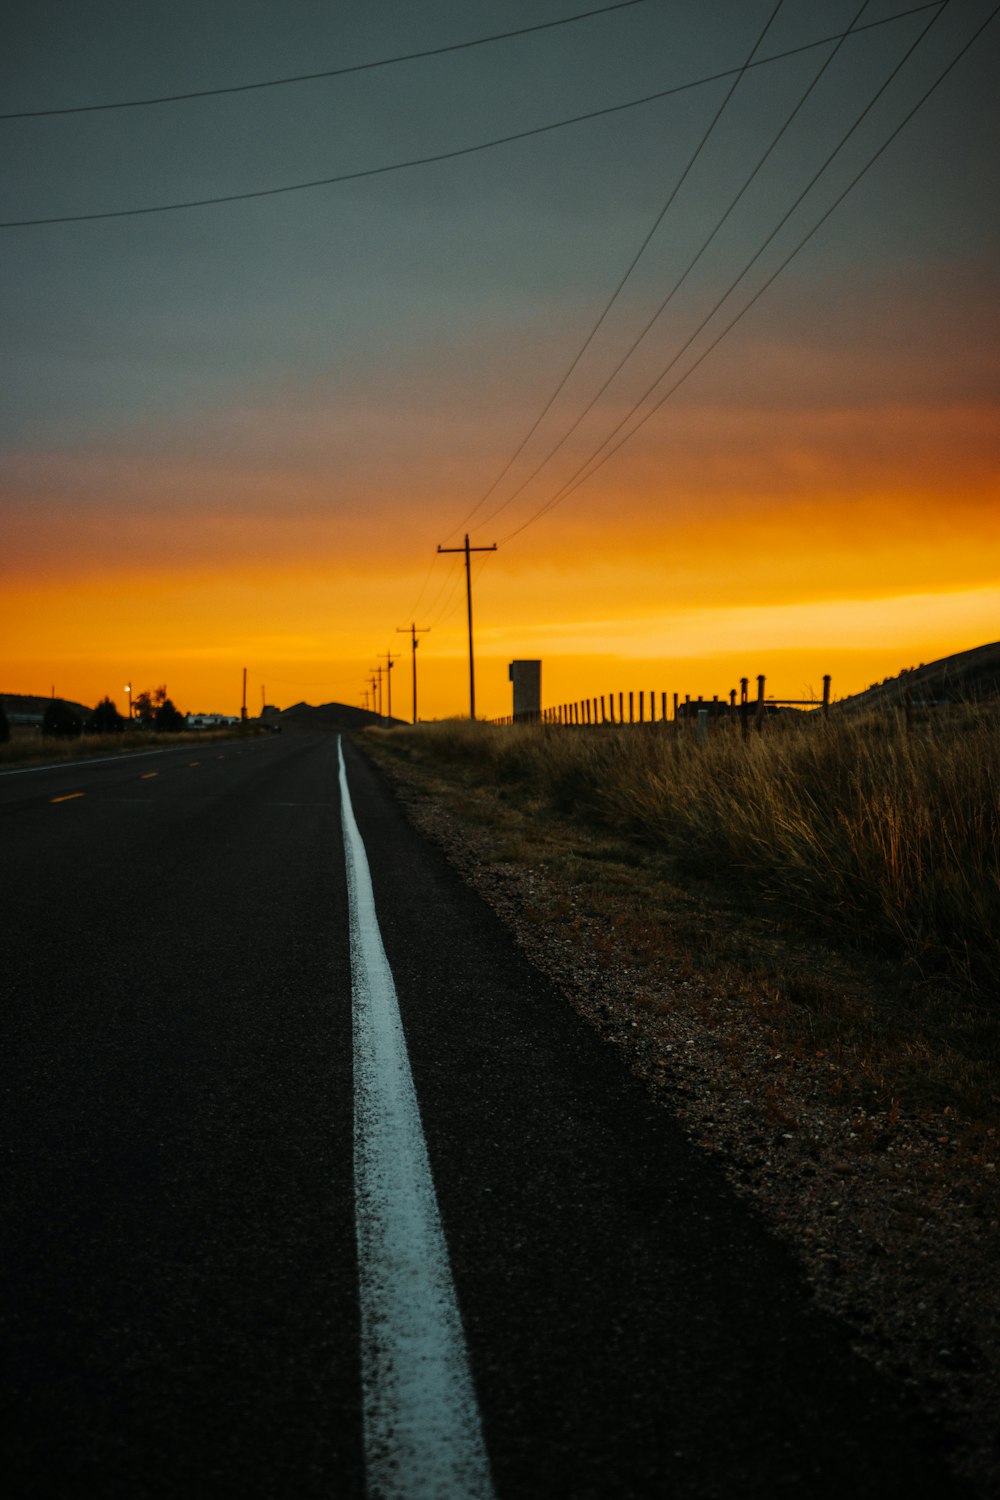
<point x="378" y="675"/>
<point x="413" y="632"/>
<point x="468" y="596"/>
<point x="390" y="657"/>
<point x="243" y="710"/>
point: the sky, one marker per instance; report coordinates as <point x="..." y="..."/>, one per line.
<point x="235" y="434"/>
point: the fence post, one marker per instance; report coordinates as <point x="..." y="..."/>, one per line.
<point x="642" y="706"/>
<point x="760" y="701"/>
<point x="675" y="707"/>
<point x="826" y="696"/>
<point x="631" y="708"/>
<point x="701" y="728"/>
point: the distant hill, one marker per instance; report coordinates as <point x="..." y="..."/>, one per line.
<point x="29" y="708"/>
<point x="331" y="716"/>
<point x="968" y="676"/>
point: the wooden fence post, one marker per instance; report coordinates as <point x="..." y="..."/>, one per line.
<point x="760" y="702"/>
<point x="826" y="696"/>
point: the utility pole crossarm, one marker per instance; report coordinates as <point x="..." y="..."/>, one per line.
<point x="468" y="595"/>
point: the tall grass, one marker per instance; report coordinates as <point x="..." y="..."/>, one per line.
<point x="891" y="837"/>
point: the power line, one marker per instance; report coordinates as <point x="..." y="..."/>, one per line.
<point x="452" y="155"/>
<point x="423" y="588"/>
<point x="628" y="272"/>
<point x="274" y="83"/>
<point x="452" y="586"/>
<point x="853" y="30"/>
<point x="580" y="477"/>
<point x="680" y="280"/>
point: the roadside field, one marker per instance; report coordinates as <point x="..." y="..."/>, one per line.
<point x="793" y="942"/>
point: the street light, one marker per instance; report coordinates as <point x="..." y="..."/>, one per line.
<point x="128" y="689"/>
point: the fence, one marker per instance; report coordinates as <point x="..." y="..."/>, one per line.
<point x="632" y="709"/>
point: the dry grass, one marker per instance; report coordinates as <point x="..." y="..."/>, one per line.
<point x="793" y="943"/>
<point x="849" y="874"/>
<point x="893" y="838"/>
<point x="24" y="749"/>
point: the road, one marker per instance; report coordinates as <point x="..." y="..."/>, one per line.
<point x="191" y="1223"/>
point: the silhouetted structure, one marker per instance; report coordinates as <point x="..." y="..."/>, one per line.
<point x="527" y="679"/>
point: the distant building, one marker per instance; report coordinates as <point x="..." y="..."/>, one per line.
<point x="527" y="679"/>
<point x="210" y="721"/>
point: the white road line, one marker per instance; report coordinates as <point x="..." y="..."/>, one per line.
<point x="422" y="1433"/>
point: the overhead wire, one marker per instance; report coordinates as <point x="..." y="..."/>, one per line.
<point x="597" y="459"/>
<point x="412" y="611"/>
<point x="421" y="161"/>
<point x="274" y="83"/>
<point x="446" y="606"/>
<point x="574" y="362"/>
<point x="675" y="288"/>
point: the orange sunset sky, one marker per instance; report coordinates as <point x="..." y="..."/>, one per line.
<point x="236" y="433"/>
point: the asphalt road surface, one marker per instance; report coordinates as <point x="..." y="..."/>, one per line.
<point x="224" y="1272"/>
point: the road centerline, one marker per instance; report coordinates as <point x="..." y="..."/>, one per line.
<point x="422" y="1431"/>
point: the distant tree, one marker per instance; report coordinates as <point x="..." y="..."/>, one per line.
<point x="61" y="721"/>
<point x="167" y="718"/>
<point x="143" y="709"/>
<point x="107" y="719"/>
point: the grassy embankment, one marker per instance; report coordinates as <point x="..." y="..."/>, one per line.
<point x="24" y="749"/>
<point x="848" y="873"/>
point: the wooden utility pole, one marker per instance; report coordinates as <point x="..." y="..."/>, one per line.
<point x="390" y="657"/>
<point x="243" y="710"/>
<point x="468" y="595"/>
<point x="413" y="632"/>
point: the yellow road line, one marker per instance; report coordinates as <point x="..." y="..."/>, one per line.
<point x="194" y="762"/>
<point x="148" y="775"/>
<point x="68" y="797"/>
